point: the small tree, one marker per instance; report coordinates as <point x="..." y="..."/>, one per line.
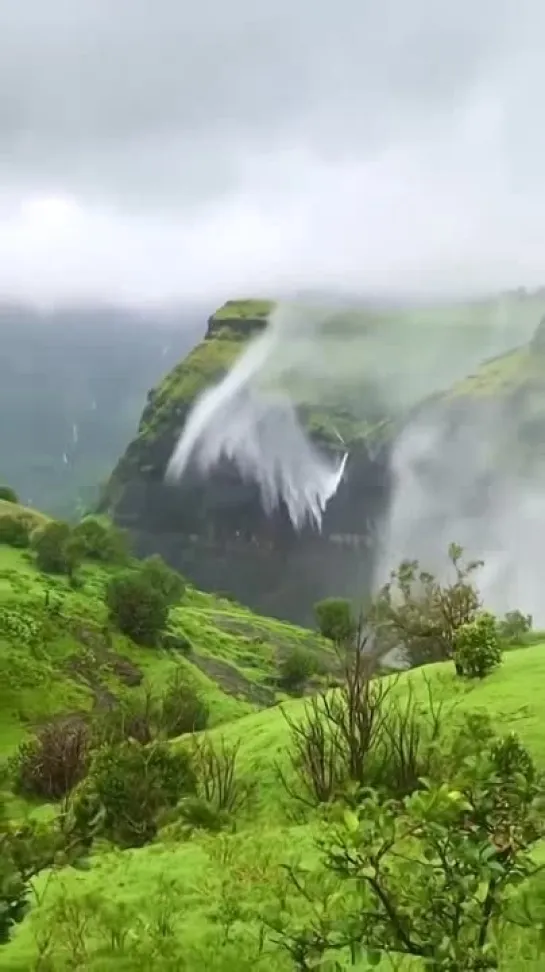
<point x="14" y="531"/>
<point x="513" y="627"/>
<point x="417" y="614"/>
<point x="477" y="648"/>
<point x="8" y="494"/>
<point x="335" y="619"/>
<point x="138" y="608"/>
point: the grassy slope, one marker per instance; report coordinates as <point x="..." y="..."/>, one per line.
<point x="234" y="659"/>
<point x="193" y="884"/>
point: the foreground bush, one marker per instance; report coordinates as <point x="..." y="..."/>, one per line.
<point x="14" y="531"/>
<point x="127" y="789"/>
<point x="52" y="763"/>
<point x="137" y="607"/>
<point x="432" y="878"/>
<point x="477" y="648"/>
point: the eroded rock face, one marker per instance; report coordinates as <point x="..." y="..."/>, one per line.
<point x="215" y="531"/>
<point x="484" y="431"/>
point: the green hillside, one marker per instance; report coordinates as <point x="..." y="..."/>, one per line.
<point x="214" y="884"/>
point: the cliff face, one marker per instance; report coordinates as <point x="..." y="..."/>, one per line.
<point x="215" y="530"/>
<point x="490" y="427"/>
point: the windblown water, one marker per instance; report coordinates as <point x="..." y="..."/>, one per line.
<point x="335" y="362"/>
<point x="253" y="423"/>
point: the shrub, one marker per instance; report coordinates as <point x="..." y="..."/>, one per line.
<point x="361" y="735"/>
<point x="138" y="608"/>
<point x="57" y="551"/>
<point x="159" y="575"/>
<point x="432" y="877"/>
<point x="296" y="669"/>
<point x="54" y="761"/>
<point x="14" y="531"/>
<point x="477" y="650"/>
<point x="514" y="626"/>
<point x="14" y="892"/>
<point x="182" y="708"/>
<point x="8" y="494"/>
<point x="128" y="787"/>
<point x="416" y="613"/>
<point x="101" y="540"/>
<point x="335" y="619"/>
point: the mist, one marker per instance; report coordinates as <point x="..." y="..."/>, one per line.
<point x="453" y="477"/>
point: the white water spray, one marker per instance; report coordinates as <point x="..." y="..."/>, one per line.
<point x="335" y="361"/>
<point x="250" y="419"/>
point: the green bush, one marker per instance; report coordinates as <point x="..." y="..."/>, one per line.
<point x="335" y="619"/>
<point x="57" y="550"/>
<point x="138" y="608"/>
<point x="182" y="708"/>
<point x="101" y="540"/>
<point x="128" y="788"/>
<point x="14" y="531"/>
<point x="14" y="892"/>
<point x="477" y="648"/>
<point x="296" y="669"/>
<point x="159" y="575"/>
<point x="8" y="494"/>
<point x="514" y="626"/>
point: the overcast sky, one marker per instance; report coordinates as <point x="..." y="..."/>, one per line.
<point x="155" y="150"/>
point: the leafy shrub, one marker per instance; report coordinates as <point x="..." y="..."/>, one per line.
<point x="514" y="626"/>
<point x="8" y="494"/>
<point x="100" y="540"/>
<point x="127" y="789"/>
<point x="54" y="761"/>
<point x="138" y="608"/>
<point x="416" y="613"/>
<point x="296" y="669"/>
<point x="57" y="551"/>
<point x="477" y="650"/>
<point x="159" y="575"/>
<point x="14" y="531"/>
<point x="431" y="877"/>
<point x="182" y="708"/>
<point x="14" y="892"/>
<point x="335" y="619"/>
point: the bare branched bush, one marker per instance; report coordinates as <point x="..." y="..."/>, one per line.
<point x="365" y="733"/>
<point x="218" y="781"/>
<point x="54" y="761"/>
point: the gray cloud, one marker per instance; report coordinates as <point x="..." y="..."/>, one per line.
<point x="218" y="146"/>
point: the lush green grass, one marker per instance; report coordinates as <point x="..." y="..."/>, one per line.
<point x="202" y="898"/>
<point x="234" y="659"/>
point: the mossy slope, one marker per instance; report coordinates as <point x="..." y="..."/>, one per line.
<point x="53" y="668"/>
